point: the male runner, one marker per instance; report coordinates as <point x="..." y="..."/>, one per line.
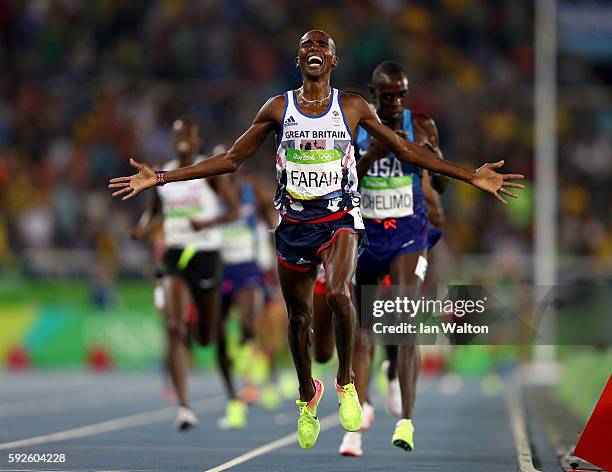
<point x="397" y="227"/>
<point x="319" y="204"/>
<point x="243" y="284"/>
<point x="191" y="263"/>
<point x="324" y="341"/>
<point x="435" y="215"/>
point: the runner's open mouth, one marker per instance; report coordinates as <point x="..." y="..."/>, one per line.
<point x="314" y="61"/>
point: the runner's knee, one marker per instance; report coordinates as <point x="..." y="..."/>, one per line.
<point x="176" y="329"/>
<point x="339" y="300"/>
<point x="299" y="317"/>
<point x="206" y="335"/>
<point x="410" y="351"/>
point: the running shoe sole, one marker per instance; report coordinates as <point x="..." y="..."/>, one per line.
<point x="402" y="444"/>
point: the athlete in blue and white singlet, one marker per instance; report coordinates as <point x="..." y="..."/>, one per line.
<point x="317" y="182"/>
<point x="398" y="231"/>
<point x="393" y="206"/>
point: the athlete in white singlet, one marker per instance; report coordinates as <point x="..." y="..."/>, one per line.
<point x="191" y="265"/>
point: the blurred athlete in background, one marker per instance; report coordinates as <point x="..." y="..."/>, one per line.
<point x="191" y="264"/>
<point x="242" y="287"/>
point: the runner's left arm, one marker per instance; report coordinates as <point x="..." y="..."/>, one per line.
<point x="484" y="178"/>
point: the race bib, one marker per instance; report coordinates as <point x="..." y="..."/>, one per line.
<point x="314" y="174"/>
<point x="386" y="197"/>
<point x="238" y="245"/>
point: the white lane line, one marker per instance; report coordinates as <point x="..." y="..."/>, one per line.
<point x="519" y="429"/>
<point x="206" y="405"/>
<point x="68" y="400"/>
<point x="85" y="399"/>
<point x="15" y="385"/>
<point x="326" y="423"/>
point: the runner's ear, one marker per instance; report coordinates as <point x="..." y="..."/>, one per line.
<point x="297" y="62"/>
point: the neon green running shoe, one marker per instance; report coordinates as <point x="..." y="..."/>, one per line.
<point x="404" y="435"/>
<point x="243" y="358"/>
<point x="236" y="414"/>
<point x="308" y="423"/>
<point x="350" y="413"/>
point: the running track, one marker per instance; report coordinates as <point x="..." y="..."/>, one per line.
<point x="119" y="422"/>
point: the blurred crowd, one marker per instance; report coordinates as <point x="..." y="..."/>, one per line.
<point x="86" y="85"/>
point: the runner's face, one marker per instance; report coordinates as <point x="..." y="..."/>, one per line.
<point x="391" y="94"/>
<point x="317" y="54"/>
<point x="185" y="137"/>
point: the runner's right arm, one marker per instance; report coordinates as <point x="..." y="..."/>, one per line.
<point x="266" y="120"/>
<point x="264" y="194"/>
<point x="148" y="217"/>
<point x="435" y="211"/>
<point x="228" y="193"/>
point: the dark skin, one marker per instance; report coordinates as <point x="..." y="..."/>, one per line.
<point x="435" y="211"/>
<point x="186" y="142"/>
<point x="316" y="86"/>
<point x="390" y="95"/>
<point x="247" y="299"/>
<point x="324" y="338"/>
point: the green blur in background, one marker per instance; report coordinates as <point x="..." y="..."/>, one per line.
<point x="57" y="325"/>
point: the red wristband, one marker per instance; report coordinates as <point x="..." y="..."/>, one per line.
<point x="161" y="177"/>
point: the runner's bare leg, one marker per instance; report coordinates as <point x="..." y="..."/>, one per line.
<point x="297" y="291"/>
<point x="340" y="261"/>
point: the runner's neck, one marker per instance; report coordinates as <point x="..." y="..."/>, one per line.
<point x="315" y="90"/>
<point x="391" y="123"/>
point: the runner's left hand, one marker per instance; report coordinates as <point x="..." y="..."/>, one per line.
<point x="134" y="184"/>
<point x="487" y="179"/>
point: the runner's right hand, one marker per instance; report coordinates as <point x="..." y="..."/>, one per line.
<point x="376" y="150"/>
<point x="131" y="186"/>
